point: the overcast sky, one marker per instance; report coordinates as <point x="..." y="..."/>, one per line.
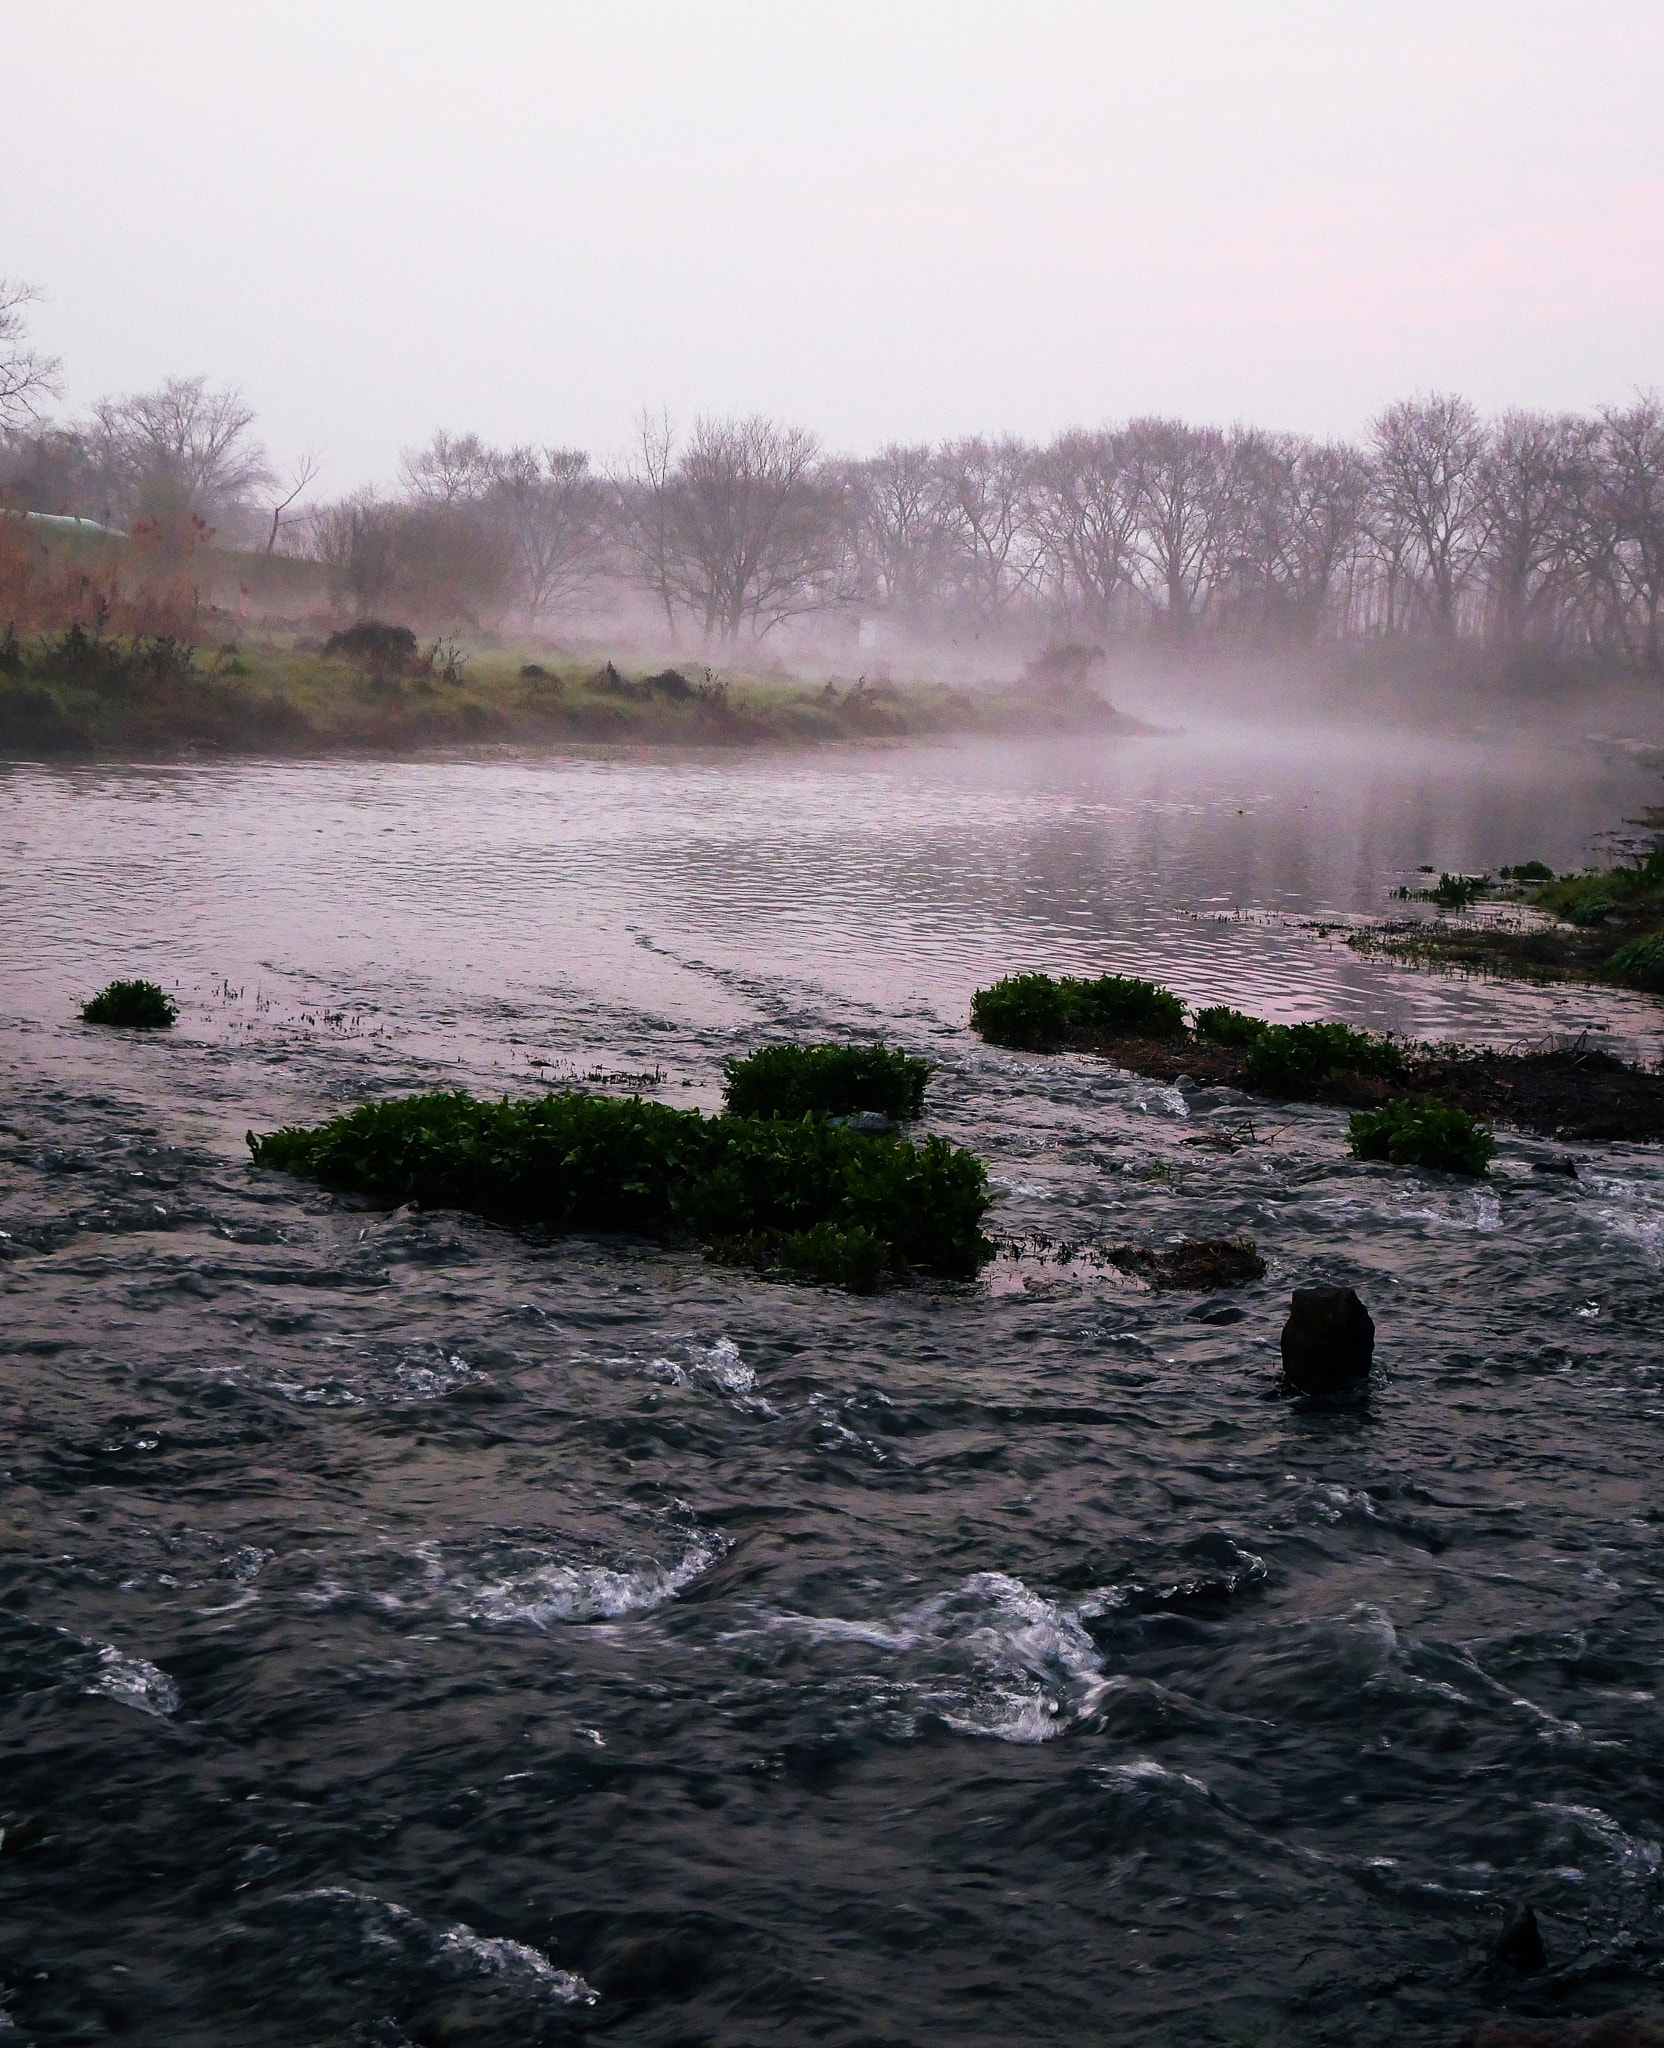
<point x="897" y="221"/>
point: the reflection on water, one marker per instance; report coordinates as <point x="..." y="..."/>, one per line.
<point x="702" y="888"/>
<point x="415" y="1632"/>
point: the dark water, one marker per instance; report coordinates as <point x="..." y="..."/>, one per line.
<point x="412" y="1632"/>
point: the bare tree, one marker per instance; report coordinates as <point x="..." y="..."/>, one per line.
<point x="453" y="469"/>
<point x="179" y="453"/>
<point x="357" y="542"/>
<point x="1430" y="475"/>
<point x="26" y="376"/>
<point x="901" y="543"/>
<point x="985" y="490"/>
<point x="303" y="473"/>
<point x="1631" y="503"/>
<point x="1086" y="511"/>
<point x="551" y="506"/>
<point x="740" y="528"/>
<point x="1181" y="480"/>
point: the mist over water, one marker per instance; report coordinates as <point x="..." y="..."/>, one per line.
<point x="416" y="1630"/>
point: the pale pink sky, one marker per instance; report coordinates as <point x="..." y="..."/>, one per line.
<point x="882" y="221"/>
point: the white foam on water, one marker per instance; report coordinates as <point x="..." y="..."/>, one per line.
<point x="991" y="1658"/>
<point x="1637" y="1856"/>
<point x="494" y="1956"/>
<point x="552" y="1593"/>
<point x="135" y="1682"/>
<point x="718" y="1365"/>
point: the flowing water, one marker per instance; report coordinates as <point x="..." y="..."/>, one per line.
<point x="412" y="1631"/>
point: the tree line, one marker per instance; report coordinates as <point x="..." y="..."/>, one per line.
<point x="1529" y="530"/>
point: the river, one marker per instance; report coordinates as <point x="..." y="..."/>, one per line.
<point x="417" y="1632"/>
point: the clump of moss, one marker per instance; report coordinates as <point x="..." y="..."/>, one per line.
<point x="1423" y="1134"/>
<point x="1032" y="1012"/>
<point x="1291" y="1059"/>
<point x="136" y="1005"/>
<point x="809" y="1195"/>
<point x="1225" y="1026"/>
<point x="796" y="1081"/>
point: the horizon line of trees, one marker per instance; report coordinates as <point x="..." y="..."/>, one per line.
<point x="1530" y="530"/>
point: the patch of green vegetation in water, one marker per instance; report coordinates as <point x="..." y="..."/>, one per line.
<point x="135" y="1005"/>
<point x="1422" y="1134"/>
<point x="809" y="1195"/>
<point x="1289" y="1059"/>
<point x="795" y="1081"/>
<point x="1032" y="1012"/>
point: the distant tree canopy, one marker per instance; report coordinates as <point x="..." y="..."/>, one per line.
<point x="1532" y="530"/>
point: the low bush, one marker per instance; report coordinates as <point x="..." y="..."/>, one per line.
<point x="1422" y="1134"/>
<point x="1591" y="910"/>
<point x="796" y="1081"/>
<point x="1289" y="1059"/>
<point x="1528" y="871"/>
<point x="137" y="1005"/>
<point x="1225" y="1026"/>
<point x="1640" y="963"/>
<point x="1034" y="1011"/>
<point x="809" y="1195"/>
<point x="386" y="650"/>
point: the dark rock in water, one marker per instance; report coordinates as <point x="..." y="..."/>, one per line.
<point x="1328" y="1341"/>
<point x="1566" y="1168"/>
<point x="1520" y="1944"/>
<point x="654" y="1966"/>
<point x="1625" y="2029"/>
<point x="1217" y="1313"/>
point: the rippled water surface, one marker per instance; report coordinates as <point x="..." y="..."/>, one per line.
<point x="412" y="1631"/>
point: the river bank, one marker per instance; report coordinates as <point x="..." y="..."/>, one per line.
<point x="72" y="696"/>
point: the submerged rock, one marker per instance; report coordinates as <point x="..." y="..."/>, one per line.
<point x="1519" y="1946"/>
<point x="1625" y="2029"/>
<point x="1328" y="1341"/>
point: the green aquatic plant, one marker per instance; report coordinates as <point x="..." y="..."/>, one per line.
<point x="1290" y="1059"/>
<point x="1456" y="892"/>
<point x="795" y="1081"/>
<point x="767" y="1190"/>
<point x="1591" y="910"/>
<point x="1225" y="1026"/>
<point x="136" y="1005"/>
<point x="1422" y="1134"/>
<point x="1528" y="871"/>
<point x="1035" y="1011"/>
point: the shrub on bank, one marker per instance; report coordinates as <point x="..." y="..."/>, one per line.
<point x="795" y="1081"/>
<point x="1422" y="1134"/>
<point x="136" y="1005"/>
<point x="1034" y="1011"/>
<point x="810" y="1195"/>
<point x="1290" y="1059"/>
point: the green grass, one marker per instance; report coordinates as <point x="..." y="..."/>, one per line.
<point x="809" y="1195"/>
<point x="135" y="1005"/>
<point x="796" y="1081"/>
<point x="1640" y="964"/>
<point x="1035" y="1012"/>
<point x="1422" y="1134"/>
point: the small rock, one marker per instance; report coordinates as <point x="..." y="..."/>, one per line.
<point x="1520" y="1944"/>
<point x="1217" y="1313"/>
<point x="1328" y="1341"/>
<point x="1566" y="1168"/>
<point x="871" y="1123"/>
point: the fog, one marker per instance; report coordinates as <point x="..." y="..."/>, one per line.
<point x="886" y="224"/>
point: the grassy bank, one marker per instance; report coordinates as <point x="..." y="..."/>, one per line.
<point x="1578" y="1093"/>
<point x="1603" y="925"/>
<point x="81" y="693"/>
